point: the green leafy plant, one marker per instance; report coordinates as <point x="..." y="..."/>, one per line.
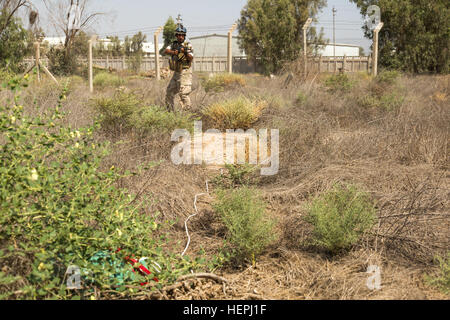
<point x="301" y="98"/>
<point x="235" y="175"/>
<point x="250" y="229"/>
<point x="104" y="79"/>
<point x="338" y="83"/>
<point x="58" y="208"/>
<point x="118" y="110"/>
<point x="441" y="279"/>
<point x="388" y="101"/>
<point x="339" y="217"/>
<point x="387" y="77"/>
<point x="157" y="118"/>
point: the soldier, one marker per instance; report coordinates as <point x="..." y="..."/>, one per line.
<point x="180" y="62"/>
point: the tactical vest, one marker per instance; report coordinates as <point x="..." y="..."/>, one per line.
<point x="180" y="62"/>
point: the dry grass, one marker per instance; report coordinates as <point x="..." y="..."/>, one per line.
<point x="236" y="113"/>
<point x="400" y="155"/>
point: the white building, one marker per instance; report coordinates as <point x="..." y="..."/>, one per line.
<point x="147" y="47"/>
<point x="349" y="50"/>
<point x="215" y="45"/>
<point x="54" y="41"/>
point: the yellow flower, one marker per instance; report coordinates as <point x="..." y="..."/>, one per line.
<point x="78" y="134"/>
<point x="34" y="175"/>
<point x="119" y="232"/>
<point x="72" y="134"/>
<point x="93" y="298"/>
<point x="13" y="119"/>
<point x="41" y="266"/>
<point x="26" y="76"/>
<point x="77" y="145"/>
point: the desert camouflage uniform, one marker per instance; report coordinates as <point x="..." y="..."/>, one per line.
<point x="181" y="82"/>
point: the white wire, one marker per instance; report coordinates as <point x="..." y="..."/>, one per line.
<point x="193" y="215"/>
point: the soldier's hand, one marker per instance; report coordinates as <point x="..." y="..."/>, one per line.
<point x="175" y="52"/>
<point x="182" y="49"/>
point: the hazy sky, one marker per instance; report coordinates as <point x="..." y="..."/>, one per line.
<point x="127" y="17"/>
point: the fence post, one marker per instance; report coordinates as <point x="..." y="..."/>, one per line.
<point x="91" y="71"/>
<point x="375" y="49"/>
<point x="320" y="63"/>
<point x="305" y="49"/>
<point x="230" y="52"/>
<point x="344" y="63"/>
<point x="157" y="68"/>
<point x="38" y="57"/>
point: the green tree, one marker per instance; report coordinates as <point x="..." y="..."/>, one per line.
<point x="271" y="31"/>
<point x="13" y="39"/>
<point x="137" y="42"/>
<point x="136" y="52"/>
<point x="415" y="36"/>
<point x="361" y="52"/>
<point x="127" y="46"/>
<point x="115" y="48"/>
<point x="168" y="33"/>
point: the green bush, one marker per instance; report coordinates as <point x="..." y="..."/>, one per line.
<point x="222" y="81"/>
<point x="339" y="217"/>
<point x="442" y="279"/>
<point x="61" y="64"/>
<point x="236" y="175"/>
<point x="388" y="101"/>
<point x="338" y="82"/>
<point x="301" y="98"/>
<point x="387" y="77"/>
<point x="250" y="230"/>
<point x="235" y="113"/>
<point x="57" y="208"/>
<point x="5" y="75"/>
<point x="157" y="118"/>
<point x="105" y="79"/>
<point x="118" y="110"/>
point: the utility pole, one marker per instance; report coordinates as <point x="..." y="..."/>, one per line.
<point x="334" y="32"/>
<point x="38" y="57"/>
<point x="305" y="48"/>
<point x="375" y="49"/>
<point x="230" y="52"/>
<point x="90" y="63"/>
<point x="157" y="67"/>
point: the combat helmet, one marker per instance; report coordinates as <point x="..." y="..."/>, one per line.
<point x="180" y="30"/>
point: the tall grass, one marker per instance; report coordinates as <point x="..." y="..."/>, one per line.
<point x="235" y="113"/>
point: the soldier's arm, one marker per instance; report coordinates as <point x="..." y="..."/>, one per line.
<point x="188" y="52"/>
<point x="170" y="51"/>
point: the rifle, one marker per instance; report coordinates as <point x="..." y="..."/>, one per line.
<point x="181" y="55"/>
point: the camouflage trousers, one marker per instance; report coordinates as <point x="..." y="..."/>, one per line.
<point x="181" y="83"/>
